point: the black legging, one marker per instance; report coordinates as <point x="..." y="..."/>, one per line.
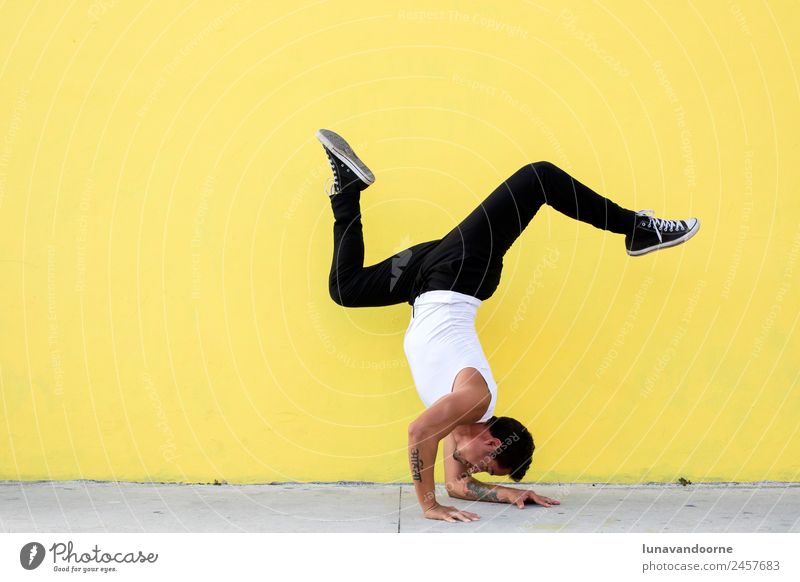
<point x="469" y="258"/>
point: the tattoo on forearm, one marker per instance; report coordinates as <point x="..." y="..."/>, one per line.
<point x="482" y="491"/>
<point x="416" y="465"/>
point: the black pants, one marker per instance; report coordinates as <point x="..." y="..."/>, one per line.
<point x="469" y="258"/>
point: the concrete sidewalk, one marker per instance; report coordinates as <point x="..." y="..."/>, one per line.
<point x="88" y="506"/>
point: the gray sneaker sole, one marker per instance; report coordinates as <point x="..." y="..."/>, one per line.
<point x="342" y="150"/>
<point x="665" y="245"/>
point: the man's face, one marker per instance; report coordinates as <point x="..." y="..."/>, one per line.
<point x="479" y="457"/>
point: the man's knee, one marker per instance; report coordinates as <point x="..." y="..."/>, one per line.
<point x="540" y="168"/>
<point x="534" y="178"/>
<point x="535" y="172"/>
<point x="337" y="293"/>
<point x="341" y="294"/>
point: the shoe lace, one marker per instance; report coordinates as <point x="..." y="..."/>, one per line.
<point x="330" y="191"/>
<point x="335" y="188"/>
<point x="660" y="224"/>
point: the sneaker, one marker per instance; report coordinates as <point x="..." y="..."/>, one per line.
<point x="350" y="174"/>
<point x="651" y="233"/>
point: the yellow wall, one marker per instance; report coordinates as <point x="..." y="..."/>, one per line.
<point x="165" y="240"/>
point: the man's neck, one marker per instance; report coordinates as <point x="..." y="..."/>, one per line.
<point x="464" y="433"/>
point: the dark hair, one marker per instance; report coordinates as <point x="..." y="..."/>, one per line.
<point x="516" y="445"/>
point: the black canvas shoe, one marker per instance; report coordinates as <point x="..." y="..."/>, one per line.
<point x="350" y="174"/>
<point x="651" y="233"/>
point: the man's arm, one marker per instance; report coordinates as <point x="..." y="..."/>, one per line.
<point x="464" y="406"/>
<point x="474" y="490"/>
<point x="462" y="485"/>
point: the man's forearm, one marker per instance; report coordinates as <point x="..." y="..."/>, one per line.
<point x="422" y="457"/>
<point x="474" y="490"/>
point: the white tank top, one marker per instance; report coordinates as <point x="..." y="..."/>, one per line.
<point x="441" y="341"/>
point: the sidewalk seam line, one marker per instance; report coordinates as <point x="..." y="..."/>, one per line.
<point x="399" y="508"/>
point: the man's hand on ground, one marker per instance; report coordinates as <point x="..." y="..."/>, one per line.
<point x="447" y="513"/>
<point x="519" y="498"/>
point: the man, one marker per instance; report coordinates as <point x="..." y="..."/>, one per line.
<point x="445" y="280"/>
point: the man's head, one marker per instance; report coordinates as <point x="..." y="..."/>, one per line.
<point x="503" y="446"/>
